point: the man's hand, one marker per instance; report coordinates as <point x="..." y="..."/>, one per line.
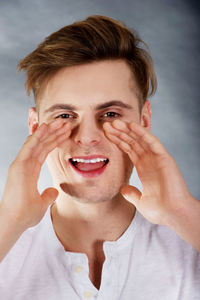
<point x="21" y="202"/>
<point x="165" y="198"/>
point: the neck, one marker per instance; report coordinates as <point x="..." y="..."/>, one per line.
<point x="90" y="222"/>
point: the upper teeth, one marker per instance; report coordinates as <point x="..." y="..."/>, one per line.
<point x="87" y="161"/>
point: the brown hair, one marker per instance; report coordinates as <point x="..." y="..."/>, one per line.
<point x="93" y="39"/>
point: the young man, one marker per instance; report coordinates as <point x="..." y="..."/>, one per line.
<point x="92" y="235"/>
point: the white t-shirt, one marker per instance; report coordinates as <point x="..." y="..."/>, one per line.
<point x="148" y="262"/>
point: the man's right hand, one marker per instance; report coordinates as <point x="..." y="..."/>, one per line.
<point x="22" y="203"/>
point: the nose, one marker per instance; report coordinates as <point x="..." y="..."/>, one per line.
<point x="87" y="133"/>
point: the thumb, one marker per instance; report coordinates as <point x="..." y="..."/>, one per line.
<point x="49" y="195"/>
<point x="132" y="194"/>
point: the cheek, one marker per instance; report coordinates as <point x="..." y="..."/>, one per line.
<point x="121" y="160"/>
<point x="56" y="160"/>
<point x="53" y="159"/>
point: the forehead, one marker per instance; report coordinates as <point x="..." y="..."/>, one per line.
<point x="91" y="84"/>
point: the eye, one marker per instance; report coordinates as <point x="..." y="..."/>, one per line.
<point x="65" y="116"/>
<point x="111" y="114"/>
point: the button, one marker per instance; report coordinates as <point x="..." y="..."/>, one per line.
<point x="78" y="269"/>
<point x="87" y="294"/>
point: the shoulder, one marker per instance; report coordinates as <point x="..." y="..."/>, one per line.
<point x="163" y="241"/>
<point x="26" y="246"/>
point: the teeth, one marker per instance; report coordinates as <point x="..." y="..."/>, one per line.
<point x="88" y="161"/>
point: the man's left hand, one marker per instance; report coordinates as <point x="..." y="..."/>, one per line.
<point x="165" y="198"/>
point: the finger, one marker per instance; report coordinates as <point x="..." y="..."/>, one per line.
<point x="126" y="138"/>
<point x="116" y="127"/>
<point x="66" y="127"/>
<point x="149" y="140"/>
<point x="52" y="135"/>
<point x="45" y="130"/>
<point x="122" y="126"/>
<point x="53" y="130"/>
<point x="52" y="144"/>
<point x="124" y="147"/>
<point x="31" y="142"/>
<point x="42" y="132"/>
<point x="49" y="145"/>
<point x="132" y="194"/>
<point x="44" y="140"/>
<point x="49" y="195"/>
<point x="53" y="127"/>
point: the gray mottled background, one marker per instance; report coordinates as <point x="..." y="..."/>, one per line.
<point x="171" y="28"/>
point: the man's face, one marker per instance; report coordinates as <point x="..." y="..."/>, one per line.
<point x="87" y="96"/>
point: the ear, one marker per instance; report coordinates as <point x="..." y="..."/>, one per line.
<point x="146" y="115"/>
<point x="32" y="120"/>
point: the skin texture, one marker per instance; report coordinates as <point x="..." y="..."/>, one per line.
<point x="86" y="92"/>
<point x="92" y="209"/>
<point x="126" y="140"/>
<point x="95" y="209"/>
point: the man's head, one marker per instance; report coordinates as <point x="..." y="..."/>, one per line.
<point x="93" y="39"/>
<point x="89" y="73"/>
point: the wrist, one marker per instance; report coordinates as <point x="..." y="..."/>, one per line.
<point x="11" y="221"/>
<point x="184" y="215"/>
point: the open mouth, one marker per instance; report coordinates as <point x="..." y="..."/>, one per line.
<point x="90" y="166"/>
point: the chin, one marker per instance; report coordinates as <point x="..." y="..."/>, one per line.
<point x="90" y="193"/>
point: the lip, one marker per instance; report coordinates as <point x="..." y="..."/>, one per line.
<point x="89" y="174"/>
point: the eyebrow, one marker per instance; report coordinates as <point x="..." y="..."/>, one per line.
<point x="60" y="106"/>
<point x="98" y="107"/>
<point x="113" y="103"/>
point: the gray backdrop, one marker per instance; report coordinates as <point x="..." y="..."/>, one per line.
<point x="171" y="28"/>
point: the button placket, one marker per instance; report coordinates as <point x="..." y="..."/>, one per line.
<point x="81" y="281"/>
<point x="109" y="272"/>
